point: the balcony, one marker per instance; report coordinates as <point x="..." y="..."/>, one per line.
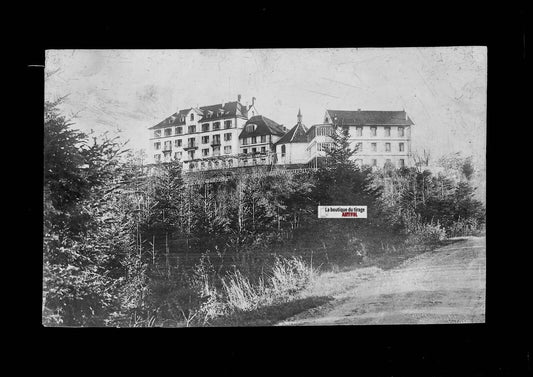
<point x="190" y="147"/>
<point x="215" y="143"/>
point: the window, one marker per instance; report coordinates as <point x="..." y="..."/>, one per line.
<point x="402" y="147"/>
<point x="402" y="162"/>
<point x="283" y="150"/>
<point x="178" y="130"/>
<point x="168" y="131"/>
<point x="254" y="140"/>
<point x="359" y="147"/>
<point x="400" y="131"/>
<point x="209" y="164"/>
<point x="157" y="157"/>
<point x="205" y="127"/>
<point x="374" y="162"/>
<point x="177" y="155"/>
<point x="227" y="136"/>
<point x="216" y="126"/>
<point x="373" y="131"/>
<point x="157" y="146"/>
<point x="227" y="124"/>
<point x="168" y="145"/>
<point x="205" y="139"/>
<point x="359" y="131"/>
<point x="192" y="142"/>
<point x="192" y="116"/>
<point x="216" y="151"/>
<point x="387" y="131"/>
<point x="245" y="151"/>
<point x="177" y="143"/>
<point x="374" y="147"/>
<point x="230" y="163"/>
<point x="191" y="166"/>
<point x="263" y="149"/>
<point x="326" y="120"/>
<point x="245" y="141"/>
<point x="202" y="164"/>
<point x="157" y="133"/>
<point x="192" y="129"/>
<point x="216" y="139"/>
<point x="387" y="147"/>
<point x="263" y="139"/>
<point x="254" y="150"/>
<point x="227" y="149"/>
<point x="205" y="152"/>
<point x="251" y="128"/>
<point x="216" y="164"/>
<point x="191" y="155"/>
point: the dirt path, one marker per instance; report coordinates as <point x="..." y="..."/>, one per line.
<point x="443" y="286"/>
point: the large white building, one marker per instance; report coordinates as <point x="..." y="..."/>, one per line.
<point x="202" y="138"/>
<point x="231" y="135"/>
<point x="380" y="137"/>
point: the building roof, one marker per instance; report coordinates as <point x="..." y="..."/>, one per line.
<point x="208" y="113"/>
<point x="265" y="126"/>
<point x="297" y="134"/>
<point x="365" y="118"/>
<point x="222" y="111"/>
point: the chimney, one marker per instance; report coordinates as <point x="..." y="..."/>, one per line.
<point x="405" y="112"/>
<point x="239" y="98"/>
<point x="358" y="109"/>
<point x="253" y="101"/>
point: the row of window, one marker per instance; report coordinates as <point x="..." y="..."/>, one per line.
<point x="192" y="129"/>
<point x="254" y="150"/>
<point x="374" y="130"/>
<point x="216" y="151"/>
<point x="191" y="142"/>
<point x="374" y="147"/>
<point x="253" y="140"/>
<point x="322" y="147"/>
<point x="374" y="162"/>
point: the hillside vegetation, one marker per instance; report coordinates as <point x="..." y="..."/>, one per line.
<point x="124" y="251"/>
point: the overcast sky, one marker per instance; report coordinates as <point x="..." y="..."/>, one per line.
<point x="443" y="90"/>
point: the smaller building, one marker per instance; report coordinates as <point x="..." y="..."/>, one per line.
<point x="257" y="141"/>
<point x="380" y="137"/>
<point x="291" y="148"/>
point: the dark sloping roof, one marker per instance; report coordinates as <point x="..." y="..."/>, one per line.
<point x="364" y="118"/>
<point x="265" y="126"/>
<point x="297" y="134"/>
<point x="229" y="110"/>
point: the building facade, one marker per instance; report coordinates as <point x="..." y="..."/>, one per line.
<point x="380" y="137"/>
<point x="202" y="138"/>
<point x="257" y="141"/>
<point x="231" y="135"/>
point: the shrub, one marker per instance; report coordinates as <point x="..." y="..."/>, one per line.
<point x="425" y="235"/>
<point x="464" y="227"/>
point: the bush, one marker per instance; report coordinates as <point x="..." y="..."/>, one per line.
<point x="464" y="227"/>
<point x="425" y="235"/>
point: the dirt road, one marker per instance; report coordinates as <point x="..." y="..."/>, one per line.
<point x="443" y="286"/>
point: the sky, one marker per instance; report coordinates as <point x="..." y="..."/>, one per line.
<point x="442" y="89"/>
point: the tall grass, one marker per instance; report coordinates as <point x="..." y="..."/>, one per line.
<point x="236" y="292"/>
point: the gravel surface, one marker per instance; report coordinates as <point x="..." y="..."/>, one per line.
<point x="443" y="286"/>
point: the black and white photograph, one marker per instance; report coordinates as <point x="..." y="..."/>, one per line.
<point x="264" y="187"/>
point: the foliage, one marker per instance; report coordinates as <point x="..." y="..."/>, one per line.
<point x="86" y="232"/>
